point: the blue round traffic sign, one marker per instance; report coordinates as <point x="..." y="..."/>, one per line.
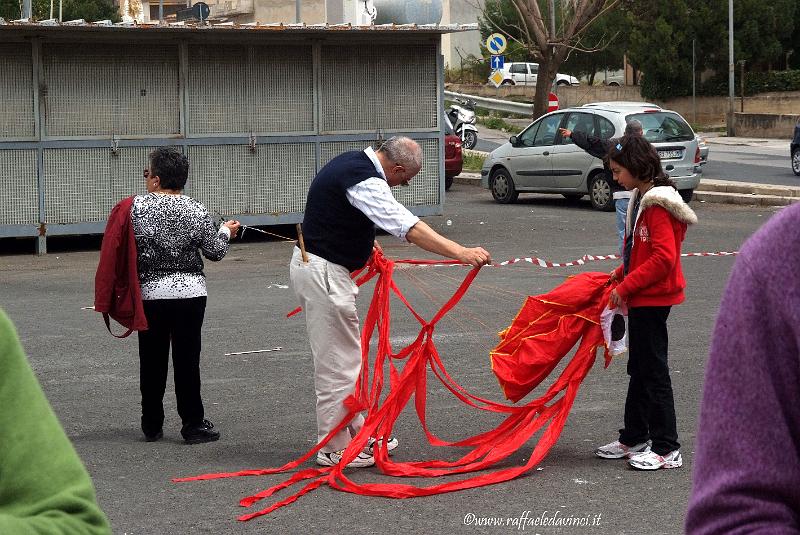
<point x="496" y="43"/>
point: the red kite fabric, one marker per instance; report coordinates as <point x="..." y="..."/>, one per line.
<point x="543" y="332"/>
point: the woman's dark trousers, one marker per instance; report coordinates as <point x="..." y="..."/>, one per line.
<point x="176" y="322"/>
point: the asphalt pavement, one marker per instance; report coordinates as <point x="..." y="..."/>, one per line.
<point x="263" y="404"/>
<point x="760" y="161"/>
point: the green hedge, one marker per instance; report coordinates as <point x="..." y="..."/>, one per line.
<point x="754" y="82"/>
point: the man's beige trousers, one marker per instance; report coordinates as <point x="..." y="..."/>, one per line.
<point x="328" y="297"/>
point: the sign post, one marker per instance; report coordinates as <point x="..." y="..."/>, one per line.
<point x="496" y="44"/>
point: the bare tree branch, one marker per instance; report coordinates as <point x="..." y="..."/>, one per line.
<point x="529" y="12"/>
<point x="525" y="43"/>
<point x="613" y="4"/>
<point x="597" y="48"/>
<point x="551" y="51"/>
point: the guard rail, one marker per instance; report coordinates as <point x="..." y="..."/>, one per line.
<point x="494" y="104"/>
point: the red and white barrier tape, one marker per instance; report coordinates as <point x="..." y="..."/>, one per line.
<point x="548" y="264"/>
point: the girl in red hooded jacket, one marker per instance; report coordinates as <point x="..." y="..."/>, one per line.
<point x="649" y="281"/>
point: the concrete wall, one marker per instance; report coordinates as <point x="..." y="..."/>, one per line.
<point x="467" y="43"/>
<point x="567" y="96"/>
<point x="267" y="11"/>
<point x="337" y="11"/>
<point x="712" y="110"/>
<point x="777" y="126"/>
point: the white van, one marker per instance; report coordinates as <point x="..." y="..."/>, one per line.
<point x="519" y="73"/>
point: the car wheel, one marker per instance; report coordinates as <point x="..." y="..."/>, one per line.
<point x="508" y="82"/>
<point x="470" y="139"/>
<point x="796" y="162"/>
<point x="503" y="189"/>
<point x="448" y="181"/>
<point x="600" y="193"/>
<point x="613" y="84"/>
<point x="562" y="83"/>
<point x="686" y="195"/>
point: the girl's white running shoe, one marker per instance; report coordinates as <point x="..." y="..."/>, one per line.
<point x="654" y="461"/>
<point x="618" y="450"/>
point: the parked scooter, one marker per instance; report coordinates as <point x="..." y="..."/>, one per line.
<point x="462" y="116"/>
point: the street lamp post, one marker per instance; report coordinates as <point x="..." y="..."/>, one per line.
<point x="731" y="66"/>
<point x="694" y="85"/>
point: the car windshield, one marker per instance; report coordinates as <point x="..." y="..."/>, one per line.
<point x="662" y="126"/>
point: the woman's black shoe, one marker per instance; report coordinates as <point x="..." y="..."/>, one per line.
<point x="199" y="433"/>
<point x="152" y="437"/>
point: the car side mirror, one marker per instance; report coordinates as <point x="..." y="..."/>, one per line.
<point x="513" y="140"/>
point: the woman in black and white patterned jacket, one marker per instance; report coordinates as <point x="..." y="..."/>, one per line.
<point x="172" y="230"/>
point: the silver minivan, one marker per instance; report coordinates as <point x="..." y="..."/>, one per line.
<point x="540" y="160"/>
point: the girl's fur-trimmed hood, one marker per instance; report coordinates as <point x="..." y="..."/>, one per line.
<point x="668" y="198"/>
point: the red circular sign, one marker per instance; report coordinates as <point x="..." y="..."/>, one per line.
<point x="552" y="104"/>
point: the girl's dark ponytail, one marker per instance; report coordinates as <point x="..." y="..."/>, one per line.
<point x="640" y="158"/>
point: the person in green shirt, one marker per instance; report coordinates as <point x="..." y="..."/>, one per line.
<point x="44" y="487"/>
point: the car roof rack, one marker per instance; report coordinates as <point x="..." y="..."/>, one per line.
<point x="621" y="104"/>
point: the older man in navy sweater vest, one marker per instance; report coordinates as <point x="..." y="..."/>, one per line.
<point x="346" y="200"/>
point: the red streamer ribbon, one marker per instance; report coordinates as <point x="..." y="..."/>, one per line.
<point x="543" y="332"/>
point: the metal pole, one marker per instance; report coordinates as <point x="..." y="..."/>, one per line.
<point x="731" y="128"/>
<point x="51" y="8"/>
<point x="552" y="5"/>
<point x="60" y="10"/>
<point x="694" y="86"/>
<point x="297" y="11"/>
<point x="741" y="83"/>
<point x="26" y="9"/>
<point x="161" y="11"/>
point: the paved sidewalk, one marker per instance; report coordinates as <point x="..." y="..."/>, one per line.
<point x="714" y="138"/>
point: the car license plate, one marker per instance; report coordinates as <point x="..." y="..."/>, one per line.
<point x="670" y="154"/>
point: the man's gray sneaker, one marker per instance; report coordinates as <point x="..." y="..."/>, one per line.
<point x="333" y="458"/>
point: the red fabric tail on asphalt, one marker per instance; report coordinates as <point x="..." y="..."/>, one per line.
<point x="543" y="332"/>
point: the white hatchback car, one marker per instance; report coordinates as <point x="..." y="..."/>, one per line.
<point x="540" y="160"/>
<point x="523" y="73"/>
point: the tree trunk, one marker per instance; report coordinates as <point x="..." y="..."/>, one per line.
<point x="544" y="84"/>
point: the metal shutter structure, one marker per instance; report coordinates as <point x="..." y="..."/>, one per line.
<point x="257" y="116"/>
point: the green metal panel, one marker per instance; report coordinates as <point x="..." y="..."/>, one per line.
<point x="110" y="90"/>
<point x="389" y="87"/>
<point x="16" y="91"/>
<point x="18" y="196"/>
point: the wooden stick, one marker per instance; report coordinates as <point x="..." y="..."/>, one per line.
<point x="301" y="242"/>
<point x="251" y="352"/>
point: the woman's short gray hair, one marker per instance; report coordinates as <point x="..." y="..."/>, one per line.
<point x="403" y="151"/>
